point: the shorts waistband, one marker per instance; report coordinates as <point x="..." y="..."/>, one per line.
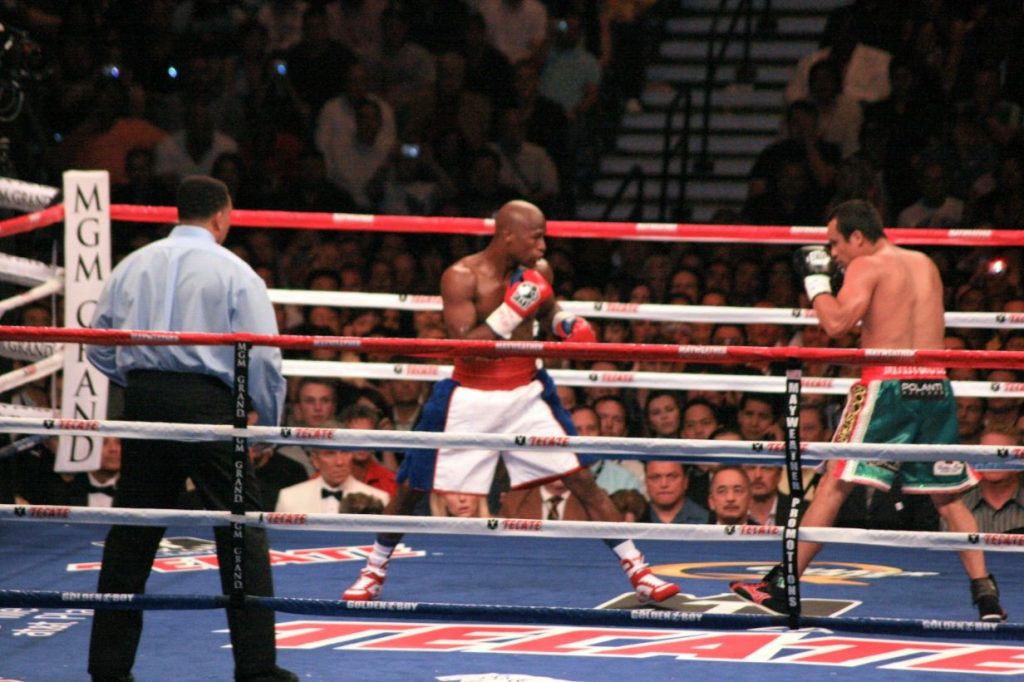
<point x="888" y="372"/>
<point x="500" y="374"/>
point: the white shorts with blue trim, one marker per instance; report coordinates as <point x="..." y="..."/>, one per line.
<point x="529" y="410"/>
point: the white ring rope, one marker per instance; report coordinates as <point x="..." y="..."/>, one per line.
<point x="47" y="288"/>
<point x="25" y="196"/>
<point x="624" y="311"/>
<point x="657" y="380"/>
<point x="29" y="350"/>
<point x="25" y="411"/>
<point x="373" y="523"/>
<point x="30" y="373"/>
<point x="26" y="271"/>
<point x="711" y="451"/>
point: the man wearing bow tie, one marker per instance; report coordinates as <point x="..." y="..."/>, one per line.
<point x="324" y="493"/>
<point x="102" y="483"/>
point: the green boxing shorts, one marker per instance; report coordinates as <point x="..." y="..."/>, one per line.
<point x="894" y="404"/>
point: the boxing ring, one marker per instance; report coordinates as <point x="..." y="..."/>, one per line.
<point x="494" y="599"/>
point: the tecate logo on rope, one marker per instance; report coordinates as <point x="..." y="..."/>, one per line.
<point x="548" y="441"/>
<point x="417" y="370"/>
<point x="49" y="512"/>
<point x="77" y="424"/>
<point x="613" y="307"/>
<point x="282" y="519"/>
<point x="817" y="382"/>
<point x="612" y="377"/>
<point x="1003" y="539"/>
<point x="1012" y="386"/>
<point x="807" y="229"/>
<point x="419" y="298"/>
<point x="307" y="433"/>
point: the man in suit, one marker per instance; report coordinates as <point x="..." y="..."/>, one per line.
<point x="729" y="497"/>
<point x="666" y="482"/>
<point x="551" y="501"/>
<point x="324" y="493"/>
<point x="768" y="507"/>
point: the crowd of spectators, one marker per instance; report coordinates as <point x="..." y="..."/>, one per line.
<point x="434" y="108"/>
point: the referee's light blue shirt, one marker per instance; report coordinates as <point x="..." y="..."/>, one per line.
<point x="189" y="283"/>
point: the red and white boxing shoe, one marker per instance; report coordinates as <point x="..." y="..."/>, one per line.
<point x="366" y="587"/>
<point x="649" y="587"/>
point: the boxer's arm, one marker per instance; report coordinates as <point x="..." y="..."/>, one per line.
<point x="840" y="313"/>
<point x="458" y="294"/>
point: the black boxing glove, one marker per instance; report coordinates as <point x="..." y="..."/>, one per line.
<point x="814" y="265"/>
<point x="837" y="276"/>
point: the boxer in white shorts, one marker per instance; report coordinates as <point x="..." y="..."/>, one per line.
<point x="498" y="293"/>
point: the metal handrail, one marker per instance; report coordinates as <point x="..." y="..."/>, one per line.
<point x="680" y="148"/>
<point x="745" y="72"/>
<point x="636" y="174"/>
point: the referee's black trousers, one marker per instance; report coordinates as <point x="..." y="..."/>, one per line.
<point x="153" y="474"/>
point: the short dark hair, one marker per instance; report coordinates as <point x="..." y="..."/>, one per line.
<point x="629" y="500"/>
<point x="581" y="408"/>
<point x="700" y="402"/>
<point x="353" y="412"/>
<point x="200" y="196"/>
<point x="361" y="503"/>
<point x="317" y="381"/>
<point x="727" y="467"/>
<point x="857" y="214"/>
<point x="770" y="401"/>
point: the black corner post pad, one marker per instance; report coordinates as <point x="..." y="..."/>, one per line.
<point x="794" y="474"/>
<point x="239" y="462"/>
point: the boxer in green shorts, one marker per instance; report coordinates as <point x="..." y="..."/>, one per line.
<point x="902" y="405"/>
<point x="896" y="296"/>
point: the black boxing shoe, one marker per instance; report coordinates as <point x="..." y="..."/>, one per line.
<point x="768" y="593"/>
<point x="985" y="595"/>
<point x="765" y="595"/>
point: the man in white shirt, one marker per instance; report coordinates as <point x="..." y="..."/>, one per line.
<point x="936" y="207"/>
<point x="525" y="167"/>
<point x="324" y="493"/>
<point x="193" y="149"/>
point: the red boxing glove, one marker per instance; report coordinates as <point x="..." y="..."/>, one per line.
<point x="525" y="295"/>
<point x="569" y="327"/>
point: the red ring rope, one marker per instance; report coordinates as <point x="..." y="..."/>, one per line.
<point x="31" y="221"/>
<point x="535" y="349"/>
<point x="753" y="234"/>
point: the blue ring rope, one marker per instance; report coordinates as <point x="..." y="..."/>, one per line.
<point x="533" y="615"/>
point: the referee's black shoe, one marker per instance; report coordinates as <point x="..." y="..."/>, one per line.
<point x="275" y="675"/>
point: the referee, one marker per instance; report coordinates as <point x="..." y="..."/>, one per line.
<point x="186" y="282"/>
